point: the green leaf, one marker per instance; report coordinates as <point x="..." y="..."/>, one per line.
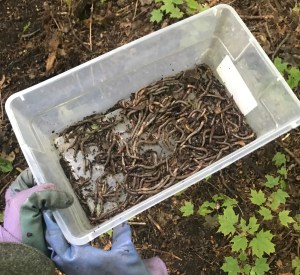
<point x="239" y="242"/>
<point x="261" y="266"/>
<point x="208" y="178"/>
<point x="156" y="15"/>
<point x="227" y="221"/>
<point x="262" y="243"/>
<point x="229" y="202"/>
<point x="282" y="171"/>
<point x="26" y="27"/>
<point x="253" y="225"/>
<point x="5" y="166"/>
<point x="266" y="213"/>
<point x="284" y="218"/>
<point x="279" y="158"/>
<point x="206" y="208"/>
<point x="281" y="67"/>
<point x="243" y="256"/>
<point x="296" y="265"/>
<point x="176" y="13"/>
<point x="296" y="225"/>
<point x="294" y="77"/>
<point x="231" y="266"/>
<point x="277" y="198"/>
<point x="271" y="181"/>
<point x="218" y="197"/>
<point x="282" y="184"/>
<point x="95" y="127"/>
<point x="257" y="198"/>
<point x="177" y="2"/>
<point x="247" y="269"/>
<point x="187" y="209"/>
<point x="192" y="4"/>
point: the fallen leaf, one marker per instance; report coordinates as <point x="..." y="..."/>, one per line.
<point x="54" y="42"/>
<point x="10" y="157"/>
<point x="50" y="61"/>
<point x="145" y="2"/>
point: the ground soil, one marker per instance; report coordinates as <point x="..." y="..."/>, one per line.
<point x="54" y="42"/>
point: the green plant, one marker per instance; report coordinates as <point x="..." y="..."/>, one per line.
<point x="297" y="8"/>
<point x="5" y="165"/>
<point x="26" y="27"/>
<point x="176" y="9"/>
<point x="291" y="73"/>
<point x="296" y="265"/>
<point x="250" y="239"/>
<point x="187" y="209"/>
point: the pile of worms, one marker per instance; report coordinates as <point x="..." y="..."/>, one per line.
<point x="188" y="115"/>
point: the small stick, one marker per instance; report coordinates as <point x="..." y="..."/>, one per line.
<point x="155" y="223"/>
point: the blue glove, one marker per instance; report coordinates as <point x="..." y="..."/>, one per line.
<point x="121" y="259"/>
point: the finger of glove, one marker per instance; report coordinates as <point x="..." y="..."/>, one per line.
<point x="23" y="181"/>
<point x="121" y="235"/>
<point x="155" y="266"/>
<point x="54" y="237"/>
<point x="45" y="196"/>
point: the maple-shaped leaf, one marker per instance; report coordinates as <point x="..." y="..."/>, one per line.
<point x="282" y="171"/>
<point x="261" y="266"/>
<point x="176" y="13"/>
<point x="262" y="243"/>
<point x="168" y="6"/>
<point x="271" y="181"/>
<point x="187" y="209"/>
<point x="227" y="221"/>
<point x="247" y="269"/>
<point x="243" y="256"/>
<point x="281" y="66"/>
<point x="294" y="77"/>
<point x="252" y="226"/>
<point x="279" y="159"/>
<point x="296" y="265"/>
<point x="229" y="202"/>
<point x="257" y="198"/>
<point x="192" y="4"/>
<point x="278" y="198"/>
<point x="239" y="242"/>
<point x="266" y="213"/>
<point x="156" y="15"/>
<point x="284" y="218"/>
<point x="231" y="266"/>
<point x="206" y="208"/>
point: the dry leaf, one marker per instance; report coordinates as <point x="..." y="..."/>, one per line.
<point x="2" y="82"/>
<point x="50" y="61"/>
<point x="53" y="43"/>
<point x="145" y="2"/>
<point x="10" y="157"/>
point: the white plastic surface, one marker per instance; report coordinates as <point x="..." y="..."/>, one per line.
<point x="41" y="111"/>
<point x="236" y="86"/>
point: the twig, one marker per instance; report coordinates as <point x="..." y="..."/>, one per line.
<point x="30" y="34"/>
<point x="279" y="46"/>
<point x="155" y="223"/>
<point x="257" y="17"/>
<point x="135" y="9"/>
<point x="165" y="252"/>
<point x="289" y="152"/>
<point x="76" y="37"/>
<point x="91" y="23"/>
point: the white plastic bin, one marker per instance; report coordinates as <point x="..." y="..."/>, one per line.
<point x="213" y="36"/>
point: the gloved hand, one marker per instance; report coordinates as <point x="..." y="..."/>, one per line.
<point x="23" y="221"/>
<point x="121" y="259"/>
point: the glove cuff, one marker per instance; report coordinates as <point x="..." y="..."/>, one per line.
<point x="5" y="236"/>
<point x="156" y="266"/>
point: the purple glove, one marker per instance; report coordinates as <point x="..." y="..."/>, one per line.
<point x="23" y="221"/>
